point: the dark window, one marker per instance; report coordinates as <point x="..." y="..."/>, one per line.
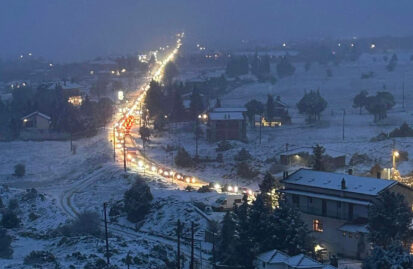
<point x="324" y="207"/>
<point x="350" y="211"/>
<point x="237" y="201"/>
<point x="296" y="200"/>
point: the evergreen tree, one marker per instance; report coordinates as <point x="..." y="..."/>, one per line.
<point x="254" y="107"/>
<point x="360" y="100"/>
<point x="245" y="254"/>
<point x="289" y="232"/>
<point x="269" y="191"/>
<point x="393" y="257"/>
<point x="171" y="71"/>
<point x="196" y="106"/>
<point x="379" y="104"/>
<point x="178" y="110"/>
<point x="6" y="250"/>
<point x="260" y="215"/>
<point x="285" y="68"/>
<point x="389" y="220"/>
<point x="270" y="107"/>
<point x="227" y="244"/>
<point x="137" y="200"/>
<point x="318" y="152"/>
<point x="312" y="104"/>
<point x="217" y="103"/>
<point x="154" y="100"/>
<point x="145" y="133"/>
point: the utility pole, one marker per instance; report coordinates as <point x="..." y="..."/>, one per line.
<point x="191" y="265"/>
<point x="196" y="137"/>
<point x="178" y="232"/>
<point x="71" y="141"/>
<point x="403" y="91"/>
<point x="124" y="153"/>
<point x="106" y="234"/>
<point x="260" y="127"/>
<point x="213" y="249"/>
<point x="114" y="145"/>
<point x="344" y="114"/>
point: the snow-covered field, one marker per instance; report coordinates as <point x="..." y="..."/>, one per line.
<point x="339" y="91"/>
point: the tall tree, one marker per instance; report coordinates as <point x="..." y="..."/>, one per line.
<point x="171" y="71"/>
<point x="312" y="104"/>
<point x="226" y="249"/>
<point x="318" y="152"/>
<point x="270" y="107"/>
<point x="196" y="106"/>
<point x="360" y="100"/>
<point x="390" y="220"/>
<point x="254" y="107"/>
<point x="269" y="191"/>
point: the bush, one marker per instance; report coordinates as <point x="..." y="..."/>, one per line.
<point x="10" y="220"/>
<point x="39" y="257"/>
<point x="19" y="170"/>
<point x="138" y="201"/>
<point x="5" y="244"/>
<point x="87" y="223"/>
<point x="245" y="171"/>
<point x="205" y="188"/>
<point x="403" y="131"/>
<point x="13" y="204"/>
<point x="183" y="159"/>
<point x="360" y="159"/>
<point x="33" y="216"/>
<point x="243" y="155"/>
<point x="189" y="188"/>
<point x="224" y="146"/>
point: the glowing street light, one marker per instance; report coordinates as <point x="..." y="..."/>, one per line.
<point x="372" y="46"/>
<point x="396" y="154"/>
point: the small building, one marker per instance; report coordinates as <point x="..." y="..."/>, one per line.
<point x="226" y="124"/>
<point x="36" y="120"/>
<point x="279" y="118"/>
<point x="335" y="206"/>
<point x="275" y="259"/>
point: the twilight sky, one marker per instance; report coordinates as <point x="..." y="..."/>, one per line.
<point x="66" y="30"/>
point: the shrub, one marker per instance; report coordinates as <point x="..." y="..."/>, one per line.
<point x="19" y="170"/>
<point x="224" y="146"/>
<point x="86" y="223"/>
<point x="30" y="194"/>
<point x="245" y="171"/>
<point x="5" y="244"/>
<point x="189" y="188"/>
<point x="204" y="188"/>
<point x="39" y="257"/>
<point x="138" y="201"/>
<point x="33" y="216"/>
<point x="1" y="203"/>
<point x="13" y="204"/>
<point x="403" y="131"/>
<point x="243" y="155"/>
<point x="10" y="220"/>
<point x="183" y="159"/>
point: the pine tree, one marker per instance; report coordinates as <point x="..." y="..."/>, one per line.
<point x="226" y="249"/>
<point x="290" y="234"/>
<point x="270" y="109"/>
<point x="6" y="250"/>
<point x="393" y="257"/>
<point x="318" y="152"/>
<point x="268" y="189"/>
<point x="389" y="220"/>
<point x="196" y="105"/>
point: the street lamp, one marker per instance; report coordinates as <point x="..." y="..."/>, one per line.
<point x="396" y="154"/>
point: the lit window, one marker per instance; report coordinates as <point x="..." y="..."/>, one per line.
<point x="344" y="234"/>
<point x="411" y="249"/>
<point x="317" y="226"/>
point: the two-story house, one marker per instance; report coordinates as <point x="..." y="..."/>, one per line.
<point x="335" y="207"/>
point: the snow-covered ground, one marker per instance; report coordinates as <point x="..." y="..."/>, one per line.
<point x="339" y="91"/>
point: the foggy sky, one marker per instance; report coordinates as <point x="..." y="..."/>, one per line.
<point x="66" y="30"/>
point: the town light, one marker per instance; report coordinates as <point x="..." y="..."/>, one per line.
<point x="372" y="46"/>
<point x="396" y="153"/>
<point x="120" y="95"/>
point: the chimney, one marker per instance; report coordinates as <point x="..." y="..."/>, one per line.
<point x="378" y="175"/>
<point x="350" y="171"/>
<point x="343" y="184"/>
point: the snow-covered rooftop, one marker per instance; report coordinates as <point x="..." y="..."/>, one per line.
<point x="230" y="109"/>
<point x="226" y="116"/>
<point x="332" y="181"/>
<point x="299" y="261"/>
<point x="327" y="197"/>
<point x="354" y="228"/>
<point x="36" y="113"/>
